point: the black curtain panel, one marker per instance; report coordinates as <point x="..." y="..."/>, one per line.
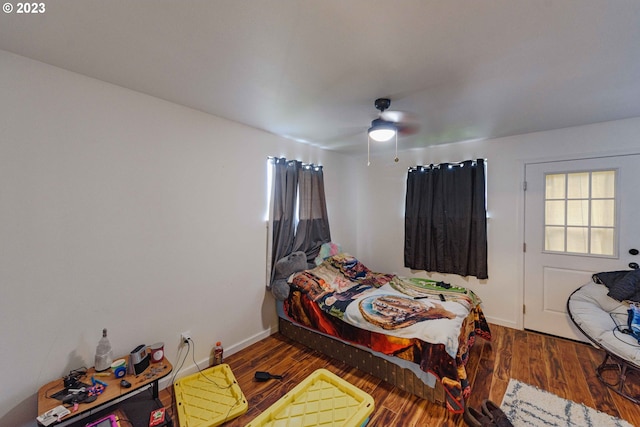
<point x="446" y="220"/>
<point x="284" y="191"/>
<point x="313" y="223"/>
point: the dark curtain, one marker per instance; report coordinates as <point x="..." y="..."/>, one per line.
<point x="283" y="208"/>
<point x="298" y="217"/>
<point x="313" y="225"/>
<point x="445" y="219"/>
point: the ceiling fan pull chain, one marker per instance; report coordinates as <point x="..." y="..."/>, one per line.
<point x="396" y="159"/>
<point x="368" y="149"/>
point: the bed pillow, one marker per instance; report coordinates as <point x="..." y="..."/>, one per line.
<point x="326" y="250"/>
<point x="285" y="267"/>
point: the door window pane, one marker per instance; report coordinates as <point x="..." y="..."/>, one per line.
<point x="603" y="184"/>
<point x="602" y="241"/>
<point x="555" y="188"/>
<point x="554" y="239"/>
<point x="580" y="212"/>
<point x="578" y="240"/>
<point x="555" y="212"/>
<point x="578" y="186"/>
<point x="602" y="213"/>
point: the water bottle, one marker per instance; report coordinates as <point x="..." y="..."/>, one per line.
<point x="217" y="354"/>
<point x="104" y="355"/>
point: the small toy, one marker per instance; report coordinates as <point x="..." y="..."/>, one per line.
<point x="97" y="389"/>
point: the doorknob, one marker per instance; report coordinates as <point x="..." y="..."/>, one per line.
<point x="633" y="251"/>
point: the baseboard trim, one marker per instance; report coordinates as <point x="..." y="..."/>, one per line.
<point x="502" y="322"/>
<point x="204" y="363"/>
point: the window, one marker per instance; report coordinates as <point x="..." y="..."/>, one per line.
<point x="446" y="219"/>
<point x="298" y="219"/>
<point x="580" y="213"/>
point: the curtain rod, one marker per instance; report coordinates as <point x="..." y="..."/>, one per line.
<point x="303" y="164"/>
<point x="450" y="164"/>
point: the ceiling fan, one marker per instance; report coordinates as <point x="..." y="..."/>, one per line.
<point x="390" y="124"/>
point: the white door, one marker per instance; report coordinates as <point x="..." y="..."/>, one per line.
<point x="581" y="217"/>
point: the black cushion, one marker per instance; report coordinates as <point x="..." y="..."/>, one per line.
<point x="609" y="278"/>
<point x="627" y="287"/>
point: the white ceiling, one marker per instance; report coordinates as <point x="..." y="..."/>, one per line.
<point x="311" y="70"/>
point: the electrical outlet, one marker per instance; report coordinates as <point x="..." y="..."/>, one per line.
<point x="185" y="337"/>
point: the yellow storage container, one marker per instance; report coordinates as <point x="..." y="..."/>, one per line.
<point x="209" y="398"/>
<point x="321" y="399"/>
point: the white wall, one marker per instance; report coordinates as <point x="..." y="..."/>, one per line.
<point x="123" y="211"/>
<point x="381" y="203"/>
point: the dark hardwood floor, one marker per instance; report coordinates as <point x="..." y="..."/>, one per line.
<point x="563" y="367"/>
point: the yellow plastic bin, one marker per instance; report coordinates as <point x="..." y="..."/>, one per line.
<point x="323" y="399"/>
<point x="209" y="398"/>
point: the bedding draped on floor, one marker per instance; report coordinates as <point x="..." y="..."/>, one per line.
<point x="402" y="317"/>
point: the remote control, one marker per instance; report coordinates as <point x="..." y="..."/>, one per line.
<point x="53" y="415"/>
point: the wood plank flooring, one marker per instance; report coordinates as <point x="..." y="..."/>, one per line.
<point x="563" y="367"/>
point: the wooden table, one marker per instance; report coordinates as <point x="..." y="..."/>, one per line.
<point x="113" y="392"/>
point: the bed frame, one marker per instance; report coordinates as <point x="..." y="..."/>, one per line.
<point x="400" y="377"/>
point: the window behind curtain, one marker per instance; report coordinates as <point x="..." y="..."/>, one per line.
<point x="445" y="219"/>
<point x="313" y="223"/>
<point x="282" y="210"/>
<point x="298" y="219"/>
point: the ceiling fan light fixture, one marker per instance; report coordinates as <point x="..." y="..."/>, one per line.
<point x="382" y="130"/>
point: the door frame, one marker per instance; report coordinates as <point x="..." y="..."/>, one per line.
<point x="521" y="206"/>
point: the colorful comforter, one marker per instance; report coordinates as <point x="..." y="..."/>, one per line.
<point x="413" y="319"/>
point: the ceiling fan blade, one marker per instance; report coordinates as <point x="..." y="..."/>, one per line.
<point x="398" y="116"/>
<point x="405" y="129"/>
<point x="407" y="123"/>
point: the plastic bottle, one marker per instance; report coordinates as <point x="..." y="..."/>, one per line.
<point x="217" y="354"/>
<point x="104" y="355"/>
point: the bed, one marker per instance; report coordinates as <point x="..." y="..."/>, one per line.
<point x="414" y="333"/>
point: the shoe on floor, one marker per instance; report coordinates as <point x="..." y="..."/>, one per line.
<point x="474" y="418"/>
<point x="493" y="411"/>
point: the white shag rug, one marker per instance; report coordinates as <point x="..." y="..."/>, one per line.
<point x="526" y="405"/>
